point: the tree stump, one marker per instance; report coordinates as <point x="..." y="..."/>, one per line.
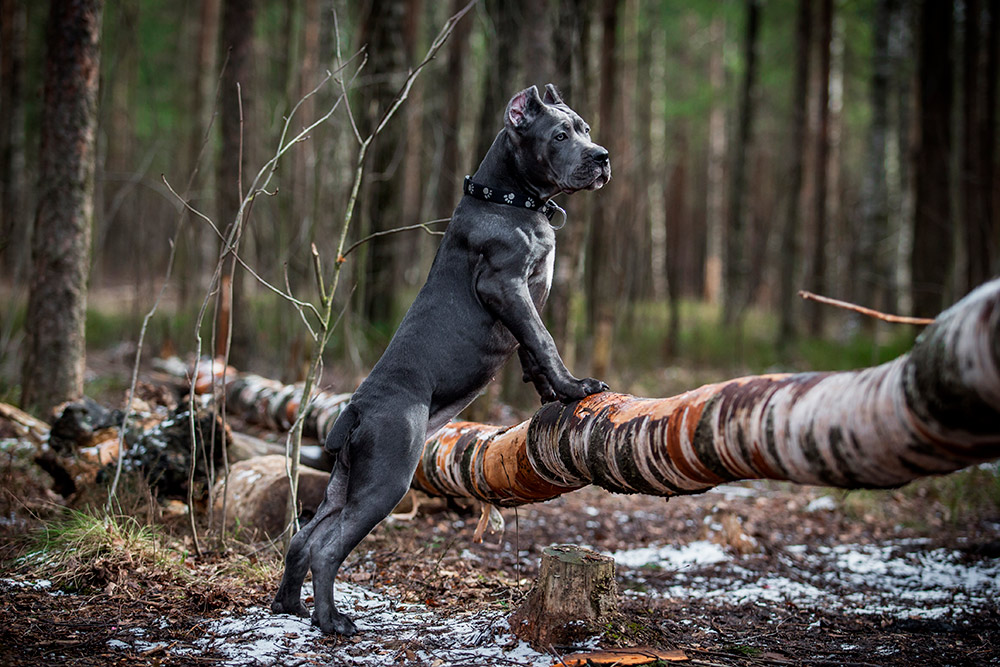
<point x="574" y="597"/>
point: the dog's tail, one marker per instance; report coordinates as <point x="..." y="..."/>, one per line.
<point x="342" y="429"/>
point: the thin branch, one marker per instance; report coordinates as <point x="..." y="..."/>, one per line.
<point x="870" y="312"/>
<point x="387" y="232"/>
<point x="184" y="202"/>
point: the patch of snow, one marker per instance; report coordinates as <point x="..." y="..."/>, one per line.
<point x="38" y="585"/>
<point x="671" y="557"/>
<point x="896" y="579"/>
<point x="822" y="504"/>
<point x="387" y="630"/>
<point x="731" y="492"/>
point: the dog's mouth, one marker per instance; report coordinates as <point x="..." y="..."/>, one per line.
<point x="599" y="182"/>
<point x="594" y="181"/>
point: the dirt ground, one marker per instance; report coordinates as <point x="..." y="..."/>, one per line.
<point x="758" y="573"/>
<point x="755" y="574"/>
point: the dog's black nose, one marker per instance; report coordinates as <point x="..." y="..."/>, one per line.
<point x="600" y="155"/>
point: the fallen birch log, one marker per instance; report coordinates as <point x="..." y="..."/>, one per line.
<point x="931" y="411"/>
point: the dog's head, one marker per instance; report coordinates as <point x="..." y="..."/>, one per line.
<point x="554" y="146"/>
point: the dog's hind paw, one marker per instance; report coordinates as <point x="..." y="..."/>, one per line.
<point x="283" y="607"/>
<point x="335" y="623"/>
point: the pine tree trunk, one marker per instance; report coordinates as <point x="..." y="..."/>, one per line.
<point x="976" y="190"/>
<point x="238" y="18"/>
<point x="932" y="230"/>
<point x="386" y="259"/>
<point x="737" y="270"/>
<point x="816" y="314"/>
<point x="790" y="231"/>
<point x="873" y="271"/>
<point x="14" y="230"/>
<point x="571" y="42"/>
<point x="716" y="193"/>
<point x="57" y="300"/>
<point x="198" y="248"/>
<point x="451" y="169"/>
<point x="988" y="140"/>
<point x="605" y="277"/>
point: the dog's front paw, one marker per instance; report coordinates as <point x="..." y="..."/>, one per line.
<point x="579" y="389"/>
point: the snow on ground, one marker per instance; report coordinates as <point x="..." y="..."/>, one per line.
<point x="896" y="578"/>
<point x="905" y="579"/>
<point x="388" y="633"/>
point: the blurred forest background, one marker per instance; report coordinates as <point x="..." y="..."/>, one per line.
<point x="758" y="147"/>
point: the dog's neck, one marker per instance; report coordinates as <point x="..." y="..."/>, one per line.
<point x="499" y="169"/>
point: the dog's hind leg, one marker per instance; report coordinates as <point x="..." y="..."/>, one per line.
<point x="383" y="456"/>
<point x="288" y="599"/>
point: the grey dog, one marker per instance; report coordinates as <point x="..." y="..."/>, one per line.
<point x="491" y="274"/>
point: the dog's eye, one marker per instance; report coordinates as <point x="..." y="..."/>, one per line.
<point x="562" y="136"/>
<point x="586" y="129"/>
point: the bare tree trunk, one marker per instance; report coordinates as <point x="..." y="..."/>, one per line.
<point x="932" y="233"/>
<point x="571" y="46"/>
<point x="57" y="301"/>
<point x="873" y="271"/>
<point x="238" y="18"/>
<point x="736" y="295"/>
<point x="605" y="278"/>
<point x="381" y="33"/>
<point x="901" y="183"/>
<point x="815" y="314"/>
<point x="450" y="170"/>
<point x="14" y="229"/>
<point x="988" y="134"/>
<point x="716" y="204"/>
<point x="501" y="69"/>
<point x="198" y="249"/>
<point x="790" y="232"/>
<point x="931" y="411"/>
<point x="413" y="172"/>
<point x="676" y="219"/>
<point x="980" y="243"/>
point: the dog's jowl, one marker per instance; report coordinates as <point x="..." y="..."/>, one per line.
<point x="480" y="303"/>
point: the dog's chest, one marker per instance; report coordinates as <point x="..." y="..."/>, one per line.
<point x="540" y="278"/>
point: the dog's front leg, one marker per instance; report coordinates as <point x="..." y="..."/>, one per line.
<point x="503" y="290"/>
<point x="532" y="372"/>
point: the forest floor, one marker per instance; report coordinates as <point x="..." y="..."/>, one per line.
<point x="758" y="573"/>
<point x="751" y="574"/>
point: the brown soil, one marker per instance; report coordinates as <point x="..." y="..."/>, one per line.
<point x="432" y="560"/>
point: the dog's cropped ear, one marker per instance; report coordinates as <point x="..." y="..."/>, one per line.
<point x="523" y="108"/>
<point x="552" y="95"/>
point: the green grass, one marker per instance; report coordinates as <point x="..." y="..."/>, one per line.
<point x="641" y="342"/>
<point x="83" y="551"/>
<point x="952" y="499"/>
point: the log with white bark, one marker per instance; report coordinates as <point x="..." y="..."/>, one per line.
<point x="933" y="410"/>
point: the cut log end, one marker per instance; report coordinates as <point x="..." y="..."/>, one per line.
<point x="574" y="597"/>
